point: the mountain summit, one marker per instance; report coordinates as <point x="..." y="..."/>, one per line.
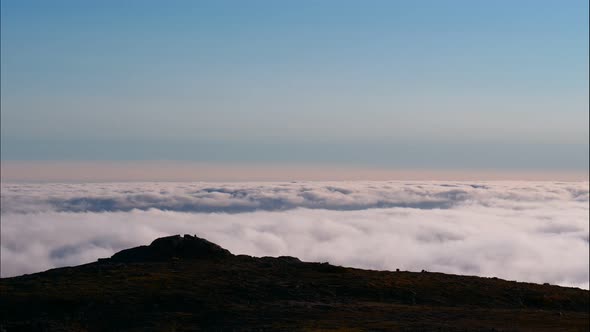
<point x="172" y="247"/>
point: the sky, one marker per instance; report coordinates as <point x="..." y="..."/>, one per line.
<point x="425" y="84"/>
<point x="262" y="113"/>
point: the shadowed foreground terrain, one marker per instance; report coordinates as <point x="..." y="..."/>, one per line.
<point x="189" y="284"/>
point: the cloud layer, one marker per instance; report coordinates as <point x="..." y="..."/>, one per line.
<point x="249" y="197"/>
<point x="514" y="230"/>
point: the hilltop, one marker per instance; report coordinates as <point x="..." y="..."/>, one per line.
<point x="185" y="283"/>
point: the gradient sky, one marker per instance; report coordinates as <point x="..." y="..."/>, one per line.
<point x="403" y="84"/>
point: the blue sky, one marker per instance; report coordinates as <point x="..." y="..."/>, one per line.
<point x="426" y="84"/>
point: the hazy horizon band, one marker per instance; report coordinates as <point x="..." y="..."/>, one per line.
<point x="105" y="171"/>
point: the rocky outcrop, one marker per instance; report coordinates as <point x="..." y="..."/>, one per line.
<point x="172" y="247"/>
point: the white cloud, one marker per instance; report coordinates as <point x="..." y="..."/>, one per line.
<point x="522" y="231"/>
<point x="245" y="197"/>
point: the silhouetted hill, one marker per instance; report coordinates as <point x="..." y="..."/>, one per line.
<point x="190" y="284"/>
<point x="172" y="247"/>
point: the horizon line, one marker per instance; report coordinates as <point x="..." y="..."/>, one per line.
<point x="178" y="171"/>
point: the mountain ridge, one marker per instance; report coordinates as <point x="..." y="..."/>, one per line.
<point x="187" y="283"/>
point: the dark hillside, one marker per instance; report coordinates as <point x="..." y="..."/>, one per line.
<point x="190" y="284"/>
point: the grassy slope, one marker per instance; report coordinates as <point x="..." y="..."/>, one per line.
<point x="243" y="293"/>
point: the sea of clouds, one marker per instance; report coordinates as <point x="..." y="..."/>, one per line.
<point x="525" y="231"/>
